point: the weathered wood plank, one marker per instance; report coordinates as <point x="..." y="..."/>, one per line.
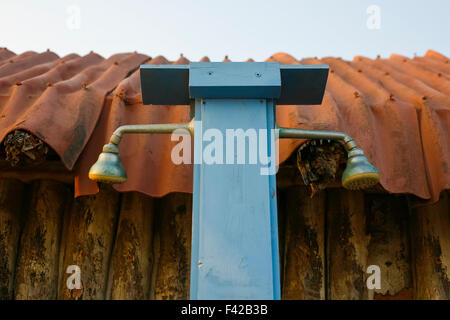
<point x="430" y="235"/>
<point x="347" y="243"/>
<point x="289" y="176"/>
<point x="366" y="230"/>
<point x="63" y="241"/>
<point x="172" y="247"/>
<point x="132" y="258"/>
<point x="304" y="256"/>
<point x="389" y="245"/>
<point x="37" y="268"/>
<point x="88" y="243"/>
<point x="11" y="202"/>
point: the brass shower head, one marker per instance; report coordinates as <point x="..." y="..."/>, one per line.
<point x="359" y="173"/>
<point x="108" y="167"/>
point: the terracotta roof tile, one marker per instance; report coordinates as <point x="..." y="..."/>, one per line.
<point x="396" y="109"/>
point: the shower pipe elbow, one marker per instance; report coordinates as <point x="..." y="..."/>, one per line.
<point x="292" y="133"/>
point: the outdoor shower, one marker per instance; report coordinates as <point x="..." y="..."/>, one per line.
<point x="234" y="251"/>
<point x="358" y="174"/>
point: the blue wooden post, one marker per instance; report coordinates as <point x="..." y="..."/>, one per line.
<point x="235" y="234"/>
<point x="234" y="231"/>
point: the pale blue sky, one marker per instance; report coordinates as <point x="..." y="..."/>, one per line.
<point x="240" y="29"/>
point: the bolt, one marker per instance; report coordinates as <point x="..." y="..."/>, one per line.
<point x="210" y="73"/>
<point x="258" y="75"/>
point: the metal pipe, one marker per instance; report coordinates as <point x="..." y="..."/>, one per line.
<point x="150" y="128"/>
<point x="292" y="133"/>
<point x="358" y="174"/>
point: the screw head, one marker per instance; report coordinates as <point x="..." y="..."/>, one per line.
<point x="258" y="74"/>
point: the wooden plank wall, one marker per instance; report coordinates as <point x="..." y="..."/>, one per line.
<point x="130" y="246"/>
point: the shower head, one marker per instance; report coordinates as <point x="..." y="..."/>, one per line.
<point x="108" y="167"/>
<point x="359" y="173"/>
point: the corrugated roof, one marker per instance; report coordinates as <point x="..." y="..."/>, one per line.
<point x="396" y="109"/>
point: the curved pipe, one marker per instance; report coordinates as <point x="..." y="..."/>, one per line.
<point x="109" y="168"/>
<point x="291" y="133"/>
<point x="150" y="128"/>
<point x="358" y="174"/>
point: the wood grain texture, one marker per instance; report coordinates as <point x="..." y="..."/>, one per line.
<point x="172" y="247"/>
<point x="11" y="202"/>
<point x="88" y="242"/>
<point x="131" y="246"/>
<point x="430" y="238"/>
<point x="389" y="246"/>
<point x="304" y="252"/>
<point x="364" y="230"/>
<point x="132" y="258"/>
<point x="346" y="245"/>
<point x="37" y="267"/>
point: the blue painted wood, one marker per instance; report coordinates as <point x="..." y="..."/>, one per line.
<point x="234" y="236"/>
<point x="236" y="80"/>
<point x="165" y="84"/>
<point x="177" y="84"/>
